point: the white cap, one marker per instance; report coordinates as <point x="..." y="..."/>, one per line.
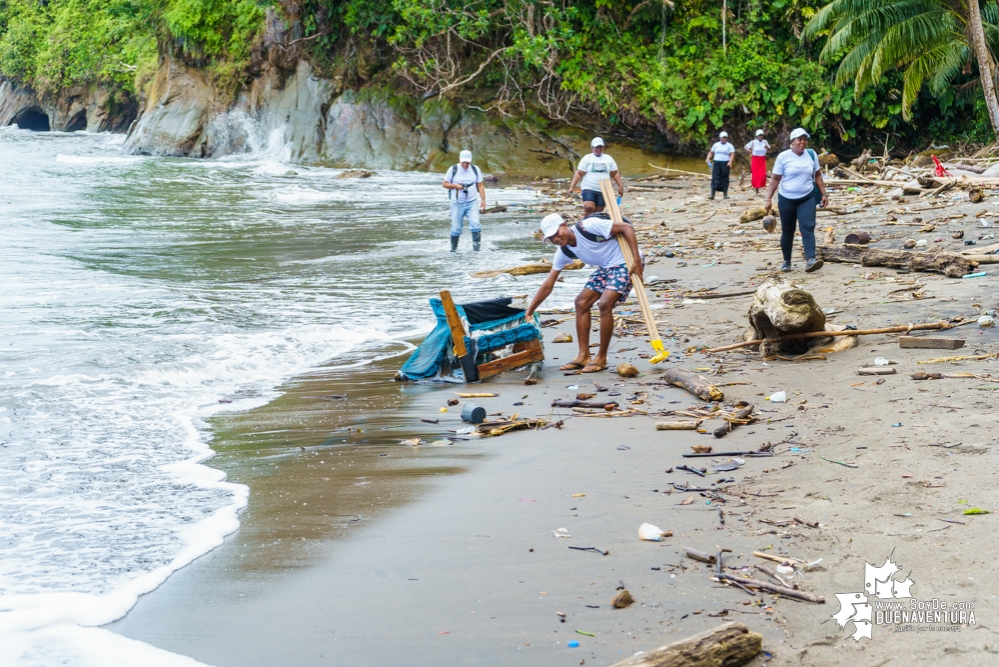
<point x="799" y="132"/>
<point x="723" y="135"/>
<point x="759" y="132"/>
<point x="550" y="224"/>
<point x="597" y="141"/>
<point x="465" y="156"/>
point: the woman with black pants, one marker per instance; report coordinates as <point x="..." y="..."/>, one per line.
<point x="796" y="175"/>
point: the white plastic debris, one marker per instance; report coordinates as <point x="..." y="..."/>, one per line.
<point x="779" y="397"/>
<point x="881" y="361"/>
<point x="651" y="533"/>
<point x="561" y="532"/>
<point x="985" y="223"/>
<point x="921" y="243"/>
<point x="785" y="569"/>
<point x="985" y="322"/>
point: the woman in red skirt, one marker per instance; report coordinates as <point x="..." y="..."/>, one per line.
<point x="758" y="148"/>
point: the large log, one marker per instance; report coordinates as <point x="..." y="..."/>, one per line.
<point x="544" y="266"/>
<point x="780" y="309"/>
<point x="696" y="384"/>
<point x="948" y="263"/>
<point x="728" y="645"/>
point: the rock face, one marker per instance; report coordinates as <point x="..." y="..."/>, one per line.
<point x="175" y="115"/>
<point x="89" y="108"/>
<point x="290" y="114"/>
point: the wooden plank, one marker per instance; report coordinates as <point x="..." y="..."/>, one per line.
<point x="927" y="343"/>
<point x="534" y="353"/>
<point x="729" y="644"/>
<point x="454" y="321"/>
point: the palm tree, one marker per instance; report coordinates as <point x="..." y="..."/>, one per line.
<point x="932" y="40"/>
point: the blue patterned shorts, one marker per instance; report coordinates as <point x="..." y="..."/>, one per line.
<point x="615" y="278"/>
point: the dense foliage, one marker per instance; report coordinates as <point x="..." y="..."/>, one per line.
<point x="642" y="68"/>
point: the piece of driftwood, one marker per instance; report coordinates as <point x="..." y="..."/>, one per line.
<point x="928" y="343"/>
<point x="772" y="588"/>
<point x="777" y="558"/>
<point x="743" y="415"/>
<point x="601" y="405"/>
<point x="728" y="645"/>
<point x="876" y="370"/>
<point x="948" y="263"/>
<point x="543" y="266"/>
<point x="935" y="326"/>
<point x="697" y="554"/>
<point x="696" y="384"/>
<point x="982" y="259"/>
<point x="677" y="426"/>
<point x="751" y="214"/>
<point x="780" y="309"/>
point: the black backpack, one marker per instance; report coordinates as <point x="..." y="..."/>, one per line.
<point x="589" y="236"/>
<point x="453" y="171"/>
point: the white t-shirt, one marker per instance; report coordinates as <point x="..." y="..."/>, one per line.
<point x="758" y="147"/>
<point x="601" y="254"/>
<point x="595" y="169"/>
<point x="797" y="173"/>
<point x="723" y="151"/>
<point x="470" y="177"/>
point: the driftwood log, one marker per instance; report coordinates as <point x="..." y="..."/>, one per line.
<point x="543" y="266"/>
<point x="698" y="385"/>
<point x="780" y="309"/>
<point x="600" y="405"/>
<point x="728" y="645"/>
<point x="677" y="426"/>
<point x="948" y="263"/>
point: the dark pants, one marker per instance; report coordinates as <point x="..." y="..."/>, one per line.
<point x="719" y="177"/>
<point x="797" y="213"/>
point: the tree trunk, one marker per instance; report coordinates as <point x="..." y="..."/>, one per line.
<point x="950" y="264"/>
<point x="780" y="309"/>
<point x="985" y="65"/>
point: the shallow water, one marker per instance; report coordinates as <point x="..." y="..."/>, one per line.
<point x="141" y="297"/>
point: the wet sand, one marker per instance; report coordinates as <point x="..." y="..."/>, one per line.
<point x="454" y="561"/>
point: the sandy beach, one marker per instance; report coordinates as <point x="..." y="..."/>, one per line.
<point x="356" y="549"/>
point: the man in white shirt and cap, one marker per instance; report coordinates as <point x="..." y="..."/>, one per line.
<point x="720" y="159"/>
<point x="467" y="192"/>
<point x="591" y="241"/>
<point x="593" y="168"/>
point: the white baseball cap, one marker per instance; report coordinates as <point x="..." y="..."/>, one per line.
<point x="465" y="156"/>
<point x="799" y="132"/>
<point x="550" y="224"/>
<point x="759" y="132"/>
<point x="723" y="135"/>
<point x="597" y="141"/>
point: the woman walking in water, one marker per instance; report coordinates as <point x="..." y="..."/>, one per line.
<point x="799" y="180"/>
<point x="758" y="148"/>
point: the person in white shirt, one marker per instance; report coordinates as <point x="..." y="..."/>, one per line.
<point x="720" y="160"/>
<point x="797" y="176"/>
<point x="593" y="168"/>
<point x="758" y="148"/>
<point x="467" y="192"/>
<point x="591" y="241"/>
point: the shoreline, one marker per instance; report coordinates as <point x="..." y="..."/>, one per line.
<point x="512" y="491"/>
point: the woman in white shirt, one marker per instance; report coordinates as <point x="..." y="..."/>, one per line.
<point x="758" y="148"/>
<point x="797" y="175"/>
<point x="720" y="160"/>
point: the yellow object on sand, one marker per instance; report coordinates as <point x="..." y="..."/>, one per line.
<point x="650" y="321"/>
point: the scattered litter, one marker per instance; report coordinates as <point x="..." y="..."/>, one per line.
<point x="842" y="463"/>
<point x="561" y="532"/>
<point x="573" y="644"/>
<point x="593" y="549"/>
<point x="779" y="397"/>
<point x="976" y="510"/>
<point x="473" y="413"/>
<point x="652" y="533"/>
<point x="986" y="321"/>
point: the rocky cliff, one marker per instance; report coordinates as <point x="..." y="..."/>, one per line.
<point x="310" y="119"/>
<point x="321" y="123"/>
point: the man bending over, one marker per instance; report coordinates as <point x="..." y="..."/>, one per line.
<point x="591" y="241"/>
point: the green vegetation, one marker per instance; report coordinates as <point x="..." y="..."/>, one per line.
<point x="647" y="69"/>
